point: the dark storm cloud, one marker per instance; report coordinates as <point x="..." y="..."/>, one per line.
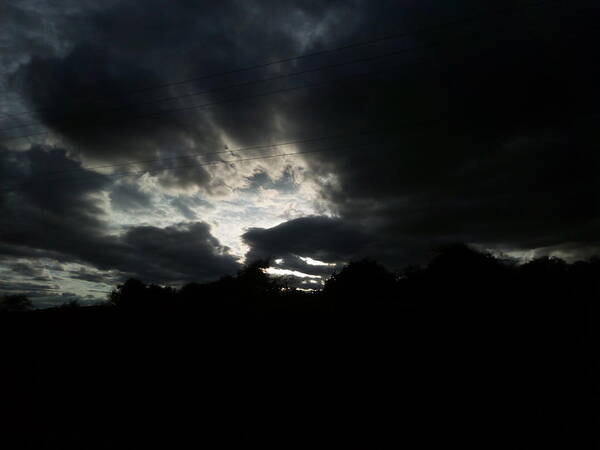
<point x="334" y="241"/>
<point x="29" y="271"/>
<point x="100" y="121"/>
<point x="45" y="216"/>
<point x="183" y="252"/>
<point x="25" y="269"/>
<point x="507" y="160"/>
<point x="129" y="197"/>
<point x="321" y="238"/>
<point x="86" y="92"/>
<point x="85" y="274"/>
<point x="66" y="222"/>
<point x="31" y="289"/>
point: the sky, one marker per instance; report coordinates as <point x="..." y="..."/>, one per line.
<point x="175" y="141"/>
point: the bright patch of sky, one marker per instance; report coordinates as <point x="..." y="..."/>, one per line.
<point x="264" y="198"/>
<point x="314" y="262"/>
<point x="293" y="273"/>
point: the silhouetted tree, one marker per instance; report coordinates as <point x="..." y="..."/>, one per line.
<point x="160" y="295"/>
<point x="254" y="278"/>
<point x="360" y="284"/>
<point x="461" y="275"/>
<point x="9" y="303"/>
<point x="72" y="304"/>
<point x="129" y="294"/>
<point x="463" y="262"/>
<point x="479" y="330"/>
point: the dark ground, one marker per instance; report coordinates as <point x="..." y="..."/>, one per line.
<point x="470" y="352"/>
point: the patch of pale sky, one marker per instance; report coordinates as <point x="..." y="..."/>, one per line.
<point x="315" y="262"/>
<point x="293" y="273"/>
<point x="81" y="287"/>
<point x="232" y="214"/>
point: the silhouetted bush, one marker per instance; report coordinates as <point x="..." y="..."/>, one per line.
<point x="468" y="344"/>
<point x="360" y="285"/>
<point x="12" y="303"/>
<point x="130" y="294"/>
<point x="458" y="276"/>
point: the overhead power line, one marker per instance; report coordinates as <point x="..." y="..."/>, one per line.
<point x="205" y="105"/>
<point x="381" y="130"/>
<point x="387" y="37"/>
<point x="413" y="126"/>
<point x="227" y="151"/>
<point x="241" y="98"/>
<point x="210" y="163"/>
<point x="438" y="42"/>
<point x="233" y="86"/>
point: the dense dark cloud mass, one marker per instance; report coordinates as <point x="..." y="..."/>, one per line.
<point x="65" y="221"/>
<point x="129" y="197"/>
<point x="185" y="252"/>
<point x="43" y="216"/>
<point x="508" y="161"/>
<point x="30" y="289"/>
<point x="93" y="95"/>
<point x="469" y="122"/>
<point x="321" y="238"/>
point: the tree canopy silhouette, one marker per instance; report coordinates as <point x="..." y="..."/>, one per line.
<point x="467" y="328"/>
<point x="12" y="303"/>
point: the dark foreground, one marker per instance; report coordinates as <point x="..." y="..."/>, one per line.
<point x="469" y="355"/>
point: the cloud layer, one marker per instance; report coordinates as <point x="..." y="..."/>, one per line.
<point x="67" y="221"/>
<point x="475" y="123"/>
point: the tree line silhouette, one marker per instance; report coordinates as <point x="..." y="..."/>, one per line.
<point x="457" y="276"/>
<point x="469" y="349"/>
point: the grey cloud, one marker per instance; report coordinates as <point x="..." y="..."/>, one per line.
<point x="183" y="208"/>
<point x="68" y="223"/>
<point x="508" y="159"/>
<point x="338" y="241"/>
<point x="129" y="197"/>
<point x="86" y="274"/>
<point x="185" y="252"/>
<point x="321" y="238"/>
<point x="77" y="96"/>
<point x="28" y="270"/>
<point x="30" y="289"/>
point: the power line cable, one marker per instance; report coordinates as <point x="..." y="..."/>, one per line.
<point x="138" y="172"/>
<point x="212" y="104"/>
<point x="209" y="163"/>
<point x="383" y="38"/>
<point x="207" y="105"/>
<point x="430" y="45"/>
<point x="420" y="124"/>
<point x="228" y="151"/>
<point x="237" y="85"/>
